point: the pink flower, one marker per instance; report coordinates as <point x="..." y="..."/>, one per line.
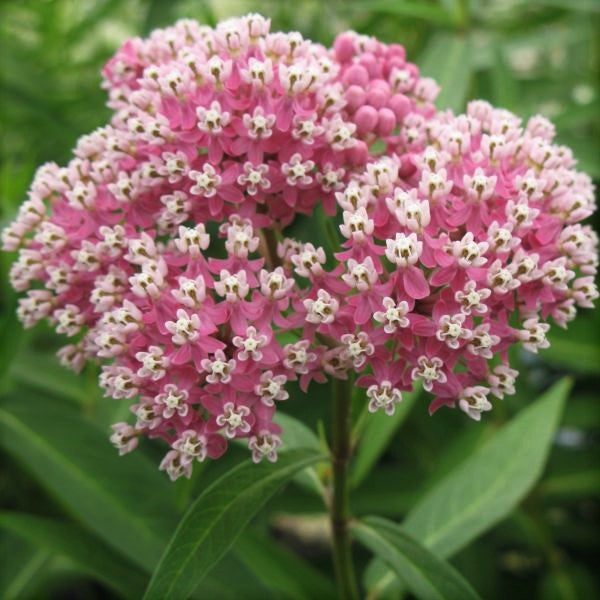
<point x="158" y="249"/>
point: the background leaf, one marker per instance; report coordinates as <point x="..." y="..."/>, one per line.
<point x="84" y="550"/>
<point x="124" y="500"/>
<point x="447" y="59"/>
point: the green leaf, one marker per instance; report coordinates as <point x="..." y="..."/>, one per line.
<point x="379" y="430"/>
<point x="426" y="576"/>
<point x="447" y="59"/>
<point x="504" y="86"/>
<point x="280" y="570"/>
<point x="409" y="9"/>
<point x="576" y="349"/>
<point x="592" y="6"/>
<point x="126" y="501"/>
<point x="48" y="376"/>
<point x="492" y="481"/>
<point x="11" y="337"/>
<point x="20" y="567"/>
<point x="576" y="482"/>
<point x="87" y="552"/>
<point x="568" y="582"/>
<point x="216" y="519"/>
<point x="296" y="434"/>
<point x="489" y="483"/>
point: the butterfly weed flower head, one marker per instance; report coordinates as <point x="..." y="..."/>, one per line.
<point x="158" y="250"/>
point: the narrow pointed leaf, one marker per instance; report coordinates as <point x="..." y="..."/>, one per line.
<point x="83" y="549"/>
<point x="297" y="435"/>
<point x="426" y="575"/>
<point x="124" y="500"/>
<point x="488" y="485"/>
<point x="216" y="519"/>
<point x="447" y="59"/>
<point x="21" y="566"/>
<point x="491" y="482"/>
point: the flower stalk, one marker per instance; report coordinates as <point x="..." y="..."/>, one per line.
<point x="340" y="505"/>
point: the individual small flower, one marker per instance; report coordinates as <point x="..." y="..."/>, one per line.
<point x="481" y="341"/>
<point x="254" y="178"/>
<point x="533" y="335"/>
<point x="192" y="240"/>
<point x="69" y="320"/>
<point x="125" y="437"/>
<point x="264" y="445"/>
<point x="502" y="381"/>
<point x="185" y="329"/>
<point x="206" y="181"/>
<point x="451" y="330"/>
<point x="479" y="187"/>
<point x="233" y="419"/>
<point x="219" y="369"/>
<point x="430" y="371"/>
<point x="471" y="299"/>
<point x="148" y="416"/>
<point x="172" y="401"/>
<point x="361" y="276"/>
<point x="271" y="387"/>
<point x="357" y="348"/>
<point x="500" y="278"/>
<point x="174" y="465"/>
<point x="233" y="287"/>
<point x="322" y="310"/>
<point x="190" y="446"/>
<point x="473" y="401"/>
<point x="250" y="344"/>
<point x="404" y="250"/>
<point x="394" y="315"/>
<point x="357" y="225"/>
<point x="297" y="357"/>
<point x="383" y="397"/>
<point x="297" y="171"/>
<point x="468" y="252"/>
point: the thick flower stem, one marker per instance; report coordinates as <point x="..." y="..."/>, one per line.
<point x="340" y="510"/>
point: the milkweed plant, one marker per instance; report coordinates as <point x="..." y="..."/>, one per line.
<point x="161" y="252"/>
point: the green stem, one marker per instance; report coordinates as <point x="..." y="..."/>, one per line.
<point x="268" y="246"/>
<point x="340" y="508"/>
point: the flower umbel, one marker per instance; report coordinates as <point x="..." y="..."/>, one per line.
<point x="161" y="250"/>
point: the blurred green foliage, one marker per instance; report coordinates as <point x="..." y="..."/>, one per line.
<point x="527" y="55"/>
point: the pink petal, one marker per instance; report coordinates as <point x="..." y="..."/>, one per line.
<point x="415" y="284"/>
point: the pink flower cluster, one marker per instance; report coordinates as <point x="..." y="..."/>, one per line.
<point x="159" y="248"/>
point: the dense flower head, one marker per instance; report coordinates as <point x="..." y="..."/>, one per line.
<point x="159" y="248"/>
